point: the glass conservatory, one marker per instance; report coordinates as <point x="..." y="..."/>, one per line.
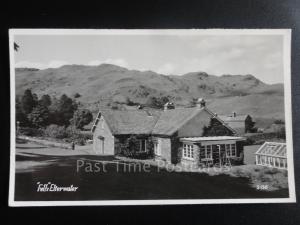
<point x="272" y="154"/>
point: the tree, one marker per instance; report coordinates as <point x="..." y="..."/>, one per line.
<point x="39" y="117"/>
<point x="249" y="127"/>
<point x="281" y="133"/>
<point x="16" y="46"/>
<point x="35" y="98"/>
<point x="45" y="100"/>
<point x="63" y="110"/>
<point x="28" y="101"/>
<point x="20" y="115"/>
<point x="77" y="95"/>
<point x="193" y="102"/>
<point x="157" y="102"/>
<point x="53" y="110"/>
<point x="81" y="118"/>
<point x="278" y="121"/>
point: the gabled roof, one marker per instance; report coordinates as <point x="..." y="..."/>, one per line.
<point x="171" y="120"/>
<point x="236" y="118"/>
<point x="240" y="130"/>
<point x="130" y="122"/>
<point x="151" y="121"/>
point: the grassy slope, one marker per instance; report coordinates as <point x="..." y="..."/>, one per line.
<point x="99" y="85"/>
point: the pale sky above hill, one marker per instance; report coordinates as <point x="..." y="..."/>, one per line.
<point x="259" y="55"/>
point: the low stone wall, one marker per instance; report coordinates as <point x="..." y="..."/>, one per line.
<point x="45" y="142"/>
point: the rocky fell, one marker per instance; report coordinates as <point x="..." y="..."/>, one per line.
<point x="103" y="84"/>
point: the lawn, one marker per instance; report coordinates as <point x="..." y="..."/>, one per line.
<point x="249" y="154"/>
<point x="41" y="164"/>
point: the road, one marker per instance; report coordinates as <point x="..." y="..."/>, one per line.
<point x="116" y="182"/>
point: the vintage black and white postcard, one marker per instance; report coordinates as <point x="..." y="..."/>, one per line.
<point x="143" y="117"/>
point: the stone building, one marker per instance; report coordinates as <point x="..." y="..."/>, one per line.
<point x="175" y="135"/>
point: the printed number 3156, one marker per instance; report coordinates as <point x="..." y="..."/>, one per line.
<point x="262" y="187"/>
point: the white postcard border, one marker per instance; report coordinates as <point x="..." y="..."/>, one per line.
<point x="287" y="99"/>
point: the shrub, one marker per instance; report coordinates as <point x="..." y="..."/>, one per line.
<point x="34" y="132"/>
<point x="56" y="131"/>
<point x="69" y="134"/>
<point x="278" y="121"/>
<point x="271" y="171"/>
<point x="77" y="136"/>
<point x="179" y="155"/>
<point x="79" y="141"/>
<point x="77" y="95"/>
<point x="129" y="147"/>
<point x="81" y="118"/>
<point x="260" y="138"/>
<point x="157" y="102"/>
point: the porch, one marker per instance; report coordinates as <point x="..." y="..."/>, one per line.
<point x="211" y="151"/>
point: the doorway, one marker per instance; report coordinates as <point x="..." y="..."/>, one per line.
<point x="100" y="145"/>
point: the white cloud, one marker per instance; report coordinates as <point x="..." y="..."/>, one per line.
<point x="273" y="61"/>
<point x="166" y="69"/>
<point x="56" y="64"/>
<point x="51" y="64"/>
<point x="27" y="64"/>
<point x="118" y="62"/>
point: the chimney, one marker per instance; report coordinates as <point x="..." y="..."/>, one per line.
<point x="169" y="105"/>
<point x="139" y="107"/>
<point x="200" y="103"/>
<point x="233" y="114"/>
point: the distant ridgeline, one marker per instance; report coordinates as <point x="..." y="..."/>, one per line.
<point x="111" y="86"/>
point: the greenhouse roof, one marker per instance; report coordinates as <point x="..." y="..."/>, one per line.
<point x="274" y="149"/>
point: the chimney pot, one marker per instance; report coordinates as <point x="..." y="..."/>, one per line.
<point x="200" y="103"/>
<point x="233" y="114"/>
<point x="169" y="105"/>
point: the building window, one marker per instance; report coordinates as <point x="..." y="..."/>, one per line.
<point x="143" y="146"/>
<point x="208" y="152"/>
<point x="188" y="151"/>
<point x="233" y="150"/>
<point x="202" y="151"/>
<point x="230" y="150"/>
<point x="157" y="148"/>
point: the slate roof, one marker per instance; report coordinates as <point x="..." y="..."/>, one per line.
<point x="237" y="118"/>
<point x="150" y="121"/>
<point x="240" y="130"/>
<point x="130" y="122"/>
<point x="171" y="120"/>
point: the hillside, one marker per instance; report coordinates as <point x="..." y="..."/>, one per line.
<point x="99" y="85"/>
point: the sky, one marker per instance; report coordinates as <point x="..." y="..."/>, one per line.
<point x="259" y="55"/>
